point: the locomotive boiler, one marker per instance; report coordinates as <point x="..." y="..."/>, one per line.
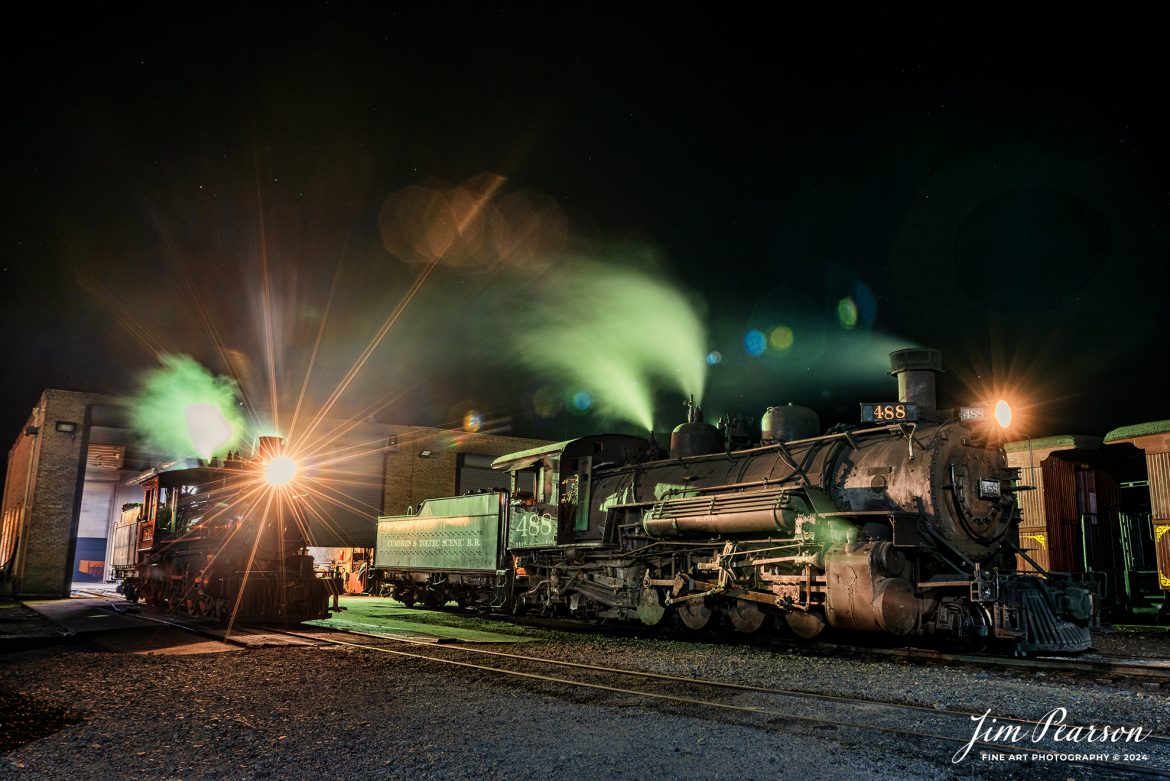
<point x="219" y="539"/>
<point x="905" y="525"/>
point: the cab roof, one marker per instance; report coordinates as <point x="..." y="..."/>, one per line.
<point x="605" y="448"/>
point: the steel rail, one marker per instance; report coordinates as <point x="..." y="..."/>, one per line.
<point x="1045" y="663"/>
<point x="709" y="682"/>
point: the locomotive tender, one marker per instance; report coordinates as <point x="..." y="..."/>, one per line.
<point x="905" y="527"/>
<point x="213" y="539"/>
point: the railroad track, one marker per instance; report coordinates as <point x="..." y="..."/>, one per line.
<point x="1154" y="668"/>
<point x="776" y="705"/>
<point x="1096" y="665"/>
<point x="812" y="710"/>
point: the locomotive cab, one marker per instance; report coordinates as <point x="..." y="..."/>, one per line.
<point x="562" y="511"/>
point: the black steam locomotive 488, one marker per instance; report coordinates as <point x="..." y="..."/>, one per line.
<point x="905" y="526"/>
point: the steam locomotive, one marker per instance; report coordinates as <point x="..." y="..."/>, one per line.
<point x="905" y="525"/>
<point x="214" y="539"/>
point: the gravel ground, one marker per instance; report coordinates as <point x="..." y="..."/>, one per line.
<point x="1130" y="640"/>
<point x="311" y="713"/>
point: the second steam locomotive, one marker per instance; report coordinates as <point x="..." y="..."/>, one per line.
<point x="213" y="539"/>
<point x="905" y="526"/>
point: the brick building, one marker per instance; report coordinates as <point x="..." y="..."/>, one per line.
<point x="67" y="469"/>
<point x="72" y="468"/>
<point x="423" y="463"/>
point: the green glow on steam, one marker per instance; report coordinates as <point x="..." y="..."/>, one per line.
<point x="617" y="334"/>
<point x="181" y="409"/>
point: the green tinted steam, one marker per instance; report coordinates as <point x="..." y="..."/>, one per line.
<point x="182" y="410"/>
<point x="618" y="333"/>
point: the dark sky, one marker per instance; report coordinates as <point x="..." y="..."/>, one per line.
<point x="988" y="183"/>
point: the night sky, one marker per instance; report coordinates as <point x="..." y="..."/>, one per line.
<point x="990" y="184"/>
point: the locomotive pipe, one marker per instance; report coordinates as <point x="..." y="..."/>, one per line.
<point x="810" y="559"/>
<point x="844" y="436"/>
<point x="724" y="523"/>
<point x="709" y="593"/>
<point x="706" y="489"/>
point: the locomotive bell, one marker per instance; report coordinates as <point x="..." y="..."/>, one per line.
<point x="695" y="438"/>
<point x="915" y="369"/>
<point x="784" y="424"/>
<point x="737" y="431"/>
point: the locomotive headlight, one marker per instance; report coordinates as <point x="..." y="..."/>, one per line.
<point x="1003" y="413"/>
<point x="281" y="470"/>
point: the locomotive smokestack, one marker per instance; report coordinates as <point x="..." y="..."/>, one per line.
<point x="268" y="448"/>
<point x="915" y="369"/>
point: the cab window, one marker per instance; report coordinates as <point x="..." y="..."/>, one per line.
<point x="524" y="486"/>
<point x="163" y="519"/>
<point x="546" y="484"/>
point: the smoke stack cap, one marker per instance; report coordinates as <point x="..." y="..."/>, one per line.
<point x="915" y="359"/>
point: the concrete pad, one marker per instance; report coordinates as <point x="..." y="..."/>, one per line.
<point x="106" y="590"/>
<point x="104" y="623"/>
<point x="20" y="623"/>
<point x="252" y="637"/>
<point x="88" y="614"/>
<point x="160" y="641"/>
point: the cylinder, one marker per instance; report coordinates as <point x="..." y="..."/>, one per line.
<point x="860" y="596"/>
<point x="915" y="369"/>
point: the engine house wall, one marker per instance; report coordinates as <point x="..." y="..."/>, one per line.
<point x="42" y="494"/>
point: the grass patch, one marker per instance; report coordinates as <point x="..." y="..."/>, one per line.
<point x="1144" y="629"/>
<point x="375" y="614"/>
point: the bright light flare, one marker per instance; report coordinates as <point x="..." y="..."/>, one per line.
<point x="281" y="470"/>
<point x="1003" y="413"/>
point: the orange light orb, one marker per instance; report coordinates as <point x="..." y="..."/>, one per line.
<point x="1003" y="413"/>
<point x="280" y="471"/>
